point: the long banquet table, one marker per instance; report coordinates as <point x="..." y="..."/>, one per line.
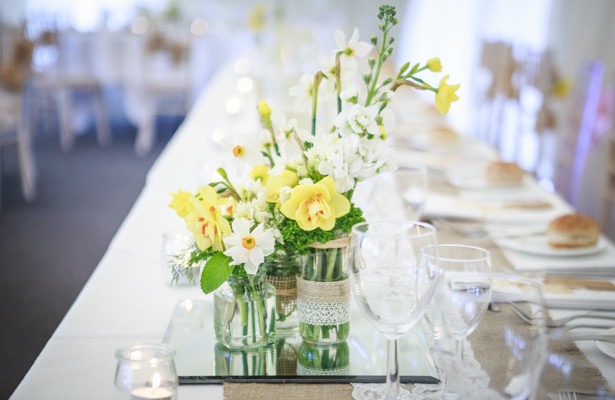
<point x="126" y="301"/>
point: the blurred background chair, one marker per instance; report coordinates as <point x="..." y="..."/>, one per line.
<point x="161" y="79"/>
<point x="575" y="138"/>
<point x="15" y="58"/>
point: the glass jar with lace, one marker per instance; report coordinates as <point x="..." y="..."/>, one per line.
<point x="323" y="293"/>
<point x="323" y="359"/>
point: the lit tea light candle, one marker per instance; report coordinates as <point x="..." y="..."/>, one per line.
<point x="154" y="392"/>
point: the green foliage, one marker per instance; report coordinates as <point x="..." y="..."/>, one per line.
<point x="296" y="240"/>
<point x="216" y="272"/>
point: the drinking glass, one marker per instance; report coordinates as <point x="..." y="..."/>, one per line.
<point x="509" y="354"/>
<point x="412" y="185"/>
<point x="390" y="283"/>
<point x="459" y="316"/>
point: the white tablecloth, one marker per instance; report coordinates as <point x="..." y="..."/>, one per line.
<point x="125" y="300"/>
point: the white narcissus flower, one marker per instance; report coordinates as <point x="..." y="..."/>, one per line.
<point x="357" y="119"/>
<point x="247" y="151"/>
<point x="353" y="47"/>
<point x="249" y="247"/>
<point x="304" y="91"/>
<point x="284" y="131"/>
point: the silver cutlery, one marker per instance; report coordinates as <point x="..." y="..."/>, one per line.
<point x="559" y="322"/>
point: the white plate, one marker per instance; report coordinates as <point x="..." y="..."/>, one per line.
<point x="605" y="347"/>
<point x="422" y="141"/>
<point x="474" y="178"/>
<point x="537" y="245"/>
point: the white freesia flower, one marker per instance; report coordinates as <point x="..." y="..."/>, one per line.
<point x="377" y="157"/>
<point x="350" y="94"/>
<point x="357" y="119"/>
<point x="249" y="247"/>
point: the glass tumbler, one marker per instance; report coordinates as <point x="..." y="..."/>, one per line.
<point x="146" y="371"/>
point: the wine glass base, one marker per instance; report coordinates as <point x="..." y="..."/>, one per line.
<point x="377" y="391"/>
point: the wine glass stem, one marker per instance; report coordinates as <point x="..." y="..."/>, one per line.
<point x="459" y="349"/>
<point x="392" y="382"/>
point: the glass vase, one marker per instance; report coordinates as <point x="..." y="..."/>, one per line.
<point x="259" y="361"/>
<point x="323" y="359"/>
<point x="282" y="274"/>
<point x="323" y="294"/>
<point x="175" y="253"/>
<point x="244" y="312"/>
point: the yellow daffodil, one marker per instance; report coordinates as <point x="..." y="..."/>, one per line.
<point x="206" y="221"/>
<point x="276" y="182"/>
<point x="316" y="206"/>
<point x="228" y="205"/>
<point x="259" y="172"/>
<point x="434" y="65"/>
<point x="181" y="203"/>
<point x="445" y="96"/>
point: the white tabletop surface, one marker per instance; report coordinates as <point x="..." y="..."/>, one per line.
<point x="125" y="300"/>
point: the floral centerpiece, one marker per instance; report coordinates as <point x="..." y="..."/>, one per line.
<point x="296" y="199"/>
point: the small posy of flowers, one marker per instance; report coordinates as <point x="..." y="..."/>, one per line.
<point x="296" y="183"/>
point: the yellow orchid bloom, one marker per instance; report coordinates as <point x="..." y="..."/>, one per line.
<point x="316" y="206"/>
<point x="446" y="95"/>
<point x="181" y="203"/>
<point x="206" y="221"/>
<point x="276" y="182"/>
<point x="259" y="172"/>
<point x="434" y="65"/>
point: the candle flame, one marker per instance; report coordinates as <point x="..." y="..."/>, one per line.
<point x="155" y="380"/>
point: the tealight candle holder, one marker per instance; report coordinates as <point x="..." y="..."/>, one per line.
<point x="146" y="372"/>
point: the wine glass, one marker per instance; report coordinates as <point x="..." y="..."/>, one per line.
<point x="412" y="185"/>
<point x="511" y="353"/>
<point x="457" y="315"/>
<point x="390" y="283"/>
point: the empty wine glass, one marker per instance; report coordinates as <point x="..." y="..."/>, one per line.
<point x="455" y="310"/>
<point x="509" y="361"/>
<point x="412" y="185"/>
<point x="390" y="283"/>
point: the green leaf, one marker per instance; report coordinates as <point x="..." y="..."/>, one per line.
<point x="415" y="68"/>
<point x="216" y="272"/>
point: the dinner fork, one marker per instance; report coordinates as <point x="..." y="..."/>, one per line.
<point x="559" y="322"/>
<point x="567" y="395"/>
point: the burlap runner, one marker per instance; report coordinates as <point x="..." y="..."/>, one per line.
<point x="294" y="391"/>
<point x="584" y="376"/>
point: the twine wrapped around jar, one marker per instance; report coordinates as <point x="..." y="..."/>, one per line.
<point x="286" y="293"/>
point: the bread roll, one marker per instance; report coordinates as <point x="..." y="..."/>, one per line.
<point x="502" y="172"/>
<point x="573" y="231"/>
<point x="442" y="135"/>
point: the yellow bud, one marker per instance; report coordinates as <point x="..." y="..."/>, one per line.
<point x="434" y="65"/>
<point x="263" y="108"/>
